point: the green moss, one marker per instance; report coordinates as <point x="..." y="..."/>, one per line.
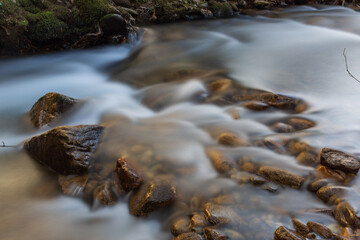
<point x="45" y="27"/>
<point x="220" y="9"/>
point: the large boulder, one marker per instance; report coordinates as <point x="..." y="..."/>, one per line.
<point x="49" y="107"/>
<point x="339" y="160"/>
<point x="66" y="149"/>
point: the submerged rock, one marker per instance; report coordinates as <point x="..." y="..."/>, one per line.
<point x="300" y="227"/>
<point x="339" y="160"/>
<point x="220" y="162"/>
<point x="283" y="233"/>
<point x="218" y="214"/>
<point x="280" y="176"/>
<point x="151" y="196"/>
<point x="230" y="139"/>
<point x="188" y="236"/>
<point x="105" y="194"/>
<point x="73" y="185"/>
<point x="66" y="149"/>
<point x="129" y="176"/>
<point x="49" y="107"/>
<point x="215" y="234"/>
<point x="180" y="225"/>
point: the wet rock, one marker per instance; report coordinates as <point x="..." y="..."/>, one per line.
<point x="320" y="229"/>
<point x="256" y="106"/>
<point x="323" y="171"/>
<point x="233" y="235"/>
<point x="215" y="234"/>
<point x="326" y="192"/>
<point x="49" y="107"/>
<point x="270" y="187"/>
<point x="198" y="222"/>
<point x="261" y="4"/>
<point x="113" y="24"/>
<point x="308" y="159"/>
<point x="66" y="149"/>
<point x="105" y="195"/>
<point x="282" y="128"/>
<point x="257" y="180"/>
<point x="129" y="176"/>
<point x="283" y="102"/>
<point x="220" y="162"/>
<point x="188" y="236"/>
<point x="339" y="160"/>
<point x="249" y="167"/>
<point x="283" y="233"/>
<point x="300" y="123"/>
<point x="345" y="214"/>
<point x="280" y="176"/>
<point x="73" y="185"/>
<point x="300" y="227"/>
<point x="230" y="139"/>
<point x="226" y="199"/>
<point x="219" y="85"/>
<point x="317" y="184"/>
<point x="218" y="214"/>
<point x="116" y="184"/>
<point x="180" y="225"/>
<point x="156" y="194"/>
<point x="295" y="147"/>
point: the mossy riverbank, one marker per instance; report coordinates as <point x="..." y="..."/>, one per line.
<point x="35" y="26"/>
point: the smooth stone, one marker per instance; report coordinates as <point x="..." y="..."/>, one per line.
<point x="231" y="140"/>
<point x="327" y="192"/>
<point x="300" y="227"/>
<point x="345" y="214"/>
<point x="129" y="176"/>
<point x="339" y="160"/>
<point x="113" y="24"/>
<point x="320" y="229"/>
<point x="188" y="236"/>
<point x="180" y="225"/>
<point x="280" y="176"/>
<point x="283" y="233"/>
<point x="218" y="214"/>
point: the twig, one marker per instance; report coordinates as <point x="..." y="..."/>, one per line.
<point x="347" y="67"/>
<point x="3" y="145"/>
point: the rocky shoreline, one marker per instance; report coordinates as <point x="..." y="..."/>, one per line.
<point x="34" y="26"/>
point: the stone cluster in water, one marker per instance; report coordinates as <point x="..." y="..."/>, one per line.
<point x="102" y="174"/>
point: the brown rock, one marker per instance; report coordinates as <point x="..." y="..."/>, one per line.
<point x="73" y="185"/>
<point x="220" y="162"/>
<point x="105" y="195"/>
<point x="320" y="229"/>
<point x="230" y="139"/>
<point x="326" y="192"/>
<point x="283" y="102"/>
<point x="295" y="147"/>
<point x="188" y="236"/>
<point x="198" y="222"/>
<point x="300" y="123"/>
<point x="218" y="214"/>
<point x="49" y="107"/>
<point x="219" y="85"/>
<point x="323" y="171"/>
<point x="319" y="183"/>
<point x="257" y="180"/>
<point x="180" y="225"/>
<point x="300" y="227"/>
<point x="270" y="187"/>
<point x="345" y="214"/>
<point x="308" y="159"/>
<point x="67" y="149"/>
<point x="339" y="160"/>
<point x="215" y="234"/>
<point x="256" y="106"/>
<point x="280" y="176"/>
<point x="156" y="194"/>
<point x="129" y="176"/>
<point x="282" y="128"/>
<point x="283" y="233"/>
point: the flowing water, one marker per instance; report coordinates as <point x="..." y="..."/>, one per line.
<point x="155" y="89"/>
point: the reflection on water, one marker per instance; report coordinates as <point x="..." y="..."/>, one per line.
<point x="297" y="53"/>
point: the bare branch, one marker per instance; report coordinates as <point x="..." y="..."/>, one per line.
<point x="4" y="145"/>
<point x="347" y="67"/>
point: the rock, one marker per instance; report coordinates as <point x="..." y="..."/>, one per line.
<point x="339" y="160"/>
<point x="105" y="195"/>
<point x="215" y="234"/>
<point x="326" y="192"/>
<point x="270" y="187"/>
<point x="230" y="139"/>
<point x="129" y="176"/>
<point x="283" y="233"/>
<point x="220" y="162"/>
<point x="323" y="171"/>
<point x="256" y="106"/>
<point x="308" y="159"/>
<point x="219" y="85"/>
<point x="300" y="123"/>
<point x="180" y="225"/>
<point x="261" y="4"/>
<point x="233" y="235"/>
<point x="113" y="24"/>
<point x="282" y="128"/>
<point x="320" y="229"/>
<point x="283" y="102"/>
<point x="49" y="107"/>
<point x="73" y="185"/>
<point x="198" y="222"/>
<point x="300" y="227"/>
<point x="156" y="194"/>
<point x="257" y="180"/>
<point x="317" y="184"/>
<point x="188" y="236"/>
<point x="218" y="214"/>
<point x="345" y="214"/>
<point x="295" y="147"/>
<point x="66" y="149"/>
<point x="280" y="176"/>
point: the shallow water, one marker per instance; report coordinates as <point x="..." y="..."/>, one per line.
<point x="296" y="52"/>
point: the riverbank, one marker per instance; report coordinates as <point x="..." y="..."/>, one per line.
<point x="35" y="26"/>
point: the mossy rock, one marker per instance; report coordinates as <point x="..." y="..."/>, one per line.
<point x="221" y="10"/>
<point x="45" y="27"/>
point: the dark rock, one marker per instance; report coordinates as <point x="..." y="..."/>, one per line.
<point x="280" y="176"/>
<point x="215" y="234"/>
<point x="230" y="139"/>
<point x="300" y="123"/>
<point x="345" y="214"/>
<point x="282" y="128"/>
<point x="317" y="184"/>
<point x="129" y="176"/>
<point x="156" y="194"/>
<point x="300" y="227"/>
<point x="198" y="222"/>
<point x="188" y="236"/>
<point x="180" y="225"/>
<point x="320" y="229"/>
<point x="113" y="24"/>
<point x="218" y="214"/>
<point x="326" y="192"/>
<point x="49" y="107"/>
<point x="105" y="195"/>
<point x="66" y="149"/>
<point x="339" y="160"/>
<point x="261" y="4"/>
<point x="283" y="233"/>
<point x="256" y="106"/>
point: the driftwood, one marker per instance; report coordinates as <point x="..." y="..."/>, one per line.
<point x="347" y="67"/>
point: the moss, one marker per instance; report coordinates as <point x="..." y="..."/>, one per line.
<point x="45" y="27"/>
<point x="221" y="9"/>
